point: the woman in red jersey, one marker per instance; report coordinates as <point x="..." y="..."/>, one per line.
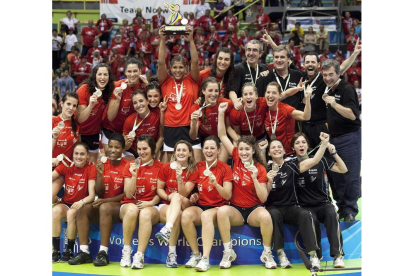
<point x="283" y="127"/>
<point x="154" y="95"/>
<point x="182" y="91"/>
<point x="79" y="178"/>
<point x="176" y="180"/>
<point x="214" y="190"/>
<point x="248" y="196"/>
<point x="109" y="188"/>
<point x="140" y="201"/>
<point x="120" y="103"/>
<point x="94" y="95"/>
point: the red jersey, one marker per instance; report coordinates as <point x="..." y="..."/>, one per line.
<point x="131" y="42"/>
<point x="76" y="181"/>
<point x="193" y="23"/>
<point x="104" y="51"/>
<point x="208" y="194"/>
<point x="74" y="62"/>
<point x="205" y="22"/>
<point x="168" y="175"/>
<point x="262" y="20"/>
<point x="230" y="21"/>
<point x="66" y="139"/>
<point x="202" y="38"/>
<point x="255" y="117"/>
<point x="157" y="21"/>
<point x="243" y="41"/>
<point x="347" y="24"/>
<point x="244" y="193"/>
<point x="229" y="39"/>
<point x="352" y="75"/>
<point x="91" y="50"/>
<point x="170" y="88"/>
<point x="121" y="47"/>
<point x="146" y="183"/>
<point x="150" y="125"/>
<point x="119" y="70"/>
<point x="209" y="121"/>
<point x="104" y="25"/>
<point x="88" y="35"/>
<point x="82" y="68"/>
<point x="350" y="45"/>
<point x="92" y="125"/>
<point x="126" y="28"/>
<point x="213" y="46"/>
<point x="135" y="20"/>
<point x="113" y="179"/>
<point x="285" y="128"/>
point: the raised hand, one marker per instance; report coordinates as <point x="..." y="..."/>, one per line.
<point x="324" y="138"/>
<point x="222" y="107"/>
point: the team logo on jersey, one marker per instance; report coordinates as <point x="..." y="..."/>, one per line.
<point x="70" y="189"/>
<point x="80" y="188"/>
<point x="116" y="187"/>
<point x="140" y="189"/>
<point x="337" y="97"/>
<point x="125" y="110"/>
<point x="106" y="188"/>
<point x="283" y="182"/>
<point x="283" y="175"/>
<point x="62" y="143"/>
<point x="236" y="176"/>
<point x="153" y="187"/>
<point x="244" y="183"/>
<point x="210" y="188"/>
<point x="312" y="178"/>
<point x="200" y="187"/>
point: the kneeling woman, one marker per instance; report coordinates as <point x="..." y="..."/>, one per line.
<point x="79" y="178"/>
<point x="313" y="195"/>
<point x="282" y="202"/>
<point x="214" y="188"/>
<point x="109" y="188"/>
<point x="249" y="194"/>
<point x="140" y="201"/>
<point x="176" y="180"/>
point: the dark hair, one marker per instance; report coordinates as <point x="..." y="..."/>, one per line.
<point x="115" y="136"/>
<point x="251" y="141"/>
<point x="178" y="59"/>
<point x="141" y="92"/>
<point x="74" y="123"/>
<point x="275" y="140"/>
<point x="228" y="77"/>
<point x="133" y="60"/>
<point x="54" y="30"/>
<point x="273" y="83"/>
<point x="212" y="138"/>
<point x="153" y="85"/>
<point x="312" y="54"/>
<point x="200" y="93"/>
<point x="92" y="83"/>
<point x="82" y="144"/>
<point x="150" y="141"/>
<point x="296" y="136"/>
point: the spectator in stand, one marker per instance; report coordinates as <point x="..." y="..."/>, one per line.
<point x="323" y="38"/>
<point x="138" y="27"/>
<point x="70" y="22"/>
<point x="120" y="68"/>
<point x="292" y="50"/>
<point x="74" y="60"/>
<point x="125" y="26"/>
<point x="274" y="33"/>
<point x="62" y="35"/>
<point x="338" y="54"/>
<point x="91" y="50"/>
<point x="354" y="73"/>
<point x="157" y="20"/>
<point x="132" y="42"/>
<point x="357" y="28"/>
<point x="310" y="40"/>
<point x="57" y="43"/>
<point x="82" y="71"/>
<point x="63" y="66"/>
<point x="104" y="49"/>
<point x="299" y="58"/>
<point x="144" y="30"/>
<point x="206" y="21"/>
<point x="351" y="41"/>
<point x="192" y="21"/>
<point x="65" y="84"/>
<point x="230" y="40"/>
<point x="300" y="33"/>
<point x="296" y="38"/>
<point x="239" y="7"/>
<point x="347" y="23"/>
<point x="231" y="20"/>
<point x="154" y="38"/>
<point x="95" y="59"/>
<point x="138" y="16"/>
<point x="201" y="8"/>
<point x="244" y="38"/>
<point x="213" y="41"/>
<point x="145" y="46"/>
<point x="105" y="26"/>
<point x="325" y="55"/>
<point x="218" y="8"/>
<point x="88" y="35"/>
<point x="119" y="44"/>
<point x="262" y="20"/>
<point x="70" y="40"/>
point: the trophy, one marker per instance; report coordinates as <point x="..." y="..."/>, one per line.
<point x="172" y="28"/>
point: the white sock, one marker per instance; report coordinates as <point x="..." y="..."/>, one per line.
<point x="312" y="254"/>
<point x="172" y="249"/>
<point x="267" y="249"/>
<point x="127" y="248"/>
<point x="227" y="246"/>
<point x="169" y="225"/>
<point x="104" y="248"/>
<point x="279" y="251"/>
<point x="84" y="248"/>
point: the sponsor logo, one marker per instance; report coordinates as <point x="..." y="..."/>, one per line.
<point x="283" y="182"/>
<point x="283" y="175"/>
<point x="312" y="178"/>
<point x="116" y="187"/>
<point x="80" y="188"/>
<point x="313" y="171"/>
<point x="210" y="188"/>
<point x="244" y="183"/>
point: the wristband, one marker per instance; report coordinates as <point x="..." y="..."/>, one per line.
<point x="334" y="153"/>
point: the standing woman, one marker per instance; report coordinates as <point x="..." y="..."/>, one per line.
<point x="109" y="188"/>
<point x="176" y="180"/>
<point x="248" y="196"/>
<point x="205" y="114"/>
<point x="79" y="177"/>
<point x="283" y="204"/>
<point x="310" y="40"/>
<point x="92" y="103"/>
<point x="182" y="91"/>
<point x="120" y="104"/>
<point x="214" y="190"/>
<point x="140" y="202"/>
<point x="313" y="195"/>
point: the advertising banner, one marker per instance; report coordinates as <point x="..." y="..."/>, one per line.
<point x="305" y="22"/>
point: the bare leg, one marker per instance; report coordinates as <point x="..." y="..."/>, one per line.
<point x="129" y="215"/>
<point x="108" y="214"/>
<point x="208" y="221"/>
<point x="93" y="156"/>
<point x="261" y="218"/>
<point x="56" y="186"/>
<point x="226" y="217"/>
<point x="198" y="155"/>
<point x="58" y="214"/>
<point x="71" y="219"/>
<point x="82" y="222"/>
<point x="147" y="218"/>
<point x="189" y="219"/>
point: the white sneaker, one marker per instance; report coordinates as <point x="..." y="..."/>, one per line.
<point x="164" y="234"/>
<point x="228" y="257"/>
<point x="203" y="265"/>
<point x="339" y="261"/>
<point x="126" y="258"/>
<point x="267" y="259"/>
<point x="283" y="260"/>
<point x="138" y="261"/>
<point x="171" y="260"/>
<point x="316" y="264"/>
<point x="194" y="259"/>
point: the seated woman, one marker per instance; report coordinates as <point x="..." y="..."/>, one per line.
<point x="214" y="190"/>
<point x="105" y="209"/>
<point x="79" y="178"/>
<point x="282" y="202"/>
<point x="176" y="180"/>
<point x="140" y="202"/>
<point x="313" y="195"/>
<point x="249" y="194"/>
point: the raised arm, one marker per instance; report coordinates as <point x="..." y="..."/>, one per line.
<point x="306" y="114"/>
<point x="348" y="62"/>
<point x="162" y="72"/>
<point x="195" y="70"/>
<point x="194" y="124"/>
<point x="339" y="166"/>
<point x="310" y="162"/>
<point x="221" y="128"/>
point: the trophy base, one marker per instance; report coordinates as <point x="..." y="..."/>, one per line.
<point x="175" y="30"/>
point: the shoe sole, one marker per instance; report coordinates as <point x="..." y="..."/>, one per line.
<point x="87" y="262"/>
<point x="339" y="266"/>
<point x="288" y="266"/>
<point x="135" y="267"/>
<point x="172" y="266"/>
<point x="188" y="266"/>
<point x="222" y="267"/>
<point x="125" y="265"/>
<point x="95" y="264"/>
<point x="161" y="238"/>
<point x="200" y="269"/>
<point x="263" y="261"/>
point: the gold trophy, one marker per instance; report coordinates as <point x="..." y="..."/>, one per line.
<point x="176" y="27"/>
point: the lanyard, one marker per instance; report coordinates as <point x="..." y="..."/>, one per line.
<point x="248" y="121"/>
<point x="278" y="81"/>
<point x="178" y="93"/>
<point x="304" y="86"/>
<point x="209" y="167"/>
<point x="137" y="126"/>
<point x="61" y="157"/>
<point x="275" y="125"/>
<point x="221" y="84"/>
<point x="327" y="89"/>
<point x="257" y="73"/>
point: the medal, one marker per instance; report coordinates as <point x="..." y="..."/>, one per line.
<point x="247" y="165"/>
<point x="98" y="92"/>
<point x="131" y="134"/>
<point x="207" y="172"/>
<point x="61" y="124"/>
<point x="324" y="96"/>
<point x="178" y="106"/>
<point x="273" y="136"/>
<point x="275" y="167"/>
<point x="124" y="86"/>
<point x="61" y="158"/>
<point x="251" y="127"/>
<point x="173" y="165"/>
<point x="104" y="159"/>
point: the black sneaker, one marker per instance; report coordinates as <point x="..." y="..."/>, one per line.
<point x="67" y="255"/>
<point x="81" y="258"/>
<point x="55" y="256"/>
<point x="101" y="259"/>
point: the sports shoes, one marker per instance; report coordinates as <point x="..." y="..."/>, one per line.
<point x="267" y="259"/>
<point x="55" y="256"/>
<point x="81" y="258"/>
<point x="101" y="259"/>
<point x="66" y="256"/>
<point x="126" y="258"/>
<point x="138" y="261"/>
<point x="164" y="234"/>
<point x="339" y="261"/>
<point x="203" y="264"/>
<point x="171" y="260"/>
<point x="316" y="264"/>
<point x="283" y="260"/>
<point x="194" y="259"/>
<point x="228" y="257"/>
